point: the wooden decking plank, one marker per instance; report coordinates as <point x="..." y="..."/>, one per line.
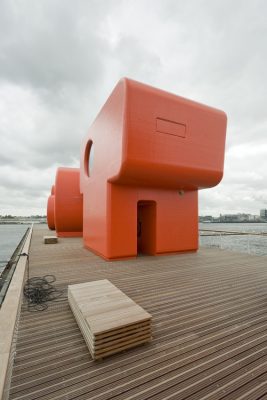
<point x="118" y="361"/>
<point x="227" y="386"/>
<point x="203" y="306"/>
<point x="262" y="397"/>
<point x="49" y="341"/>
<point x="107" y="379"/>
<point x="38" y="373"/>
<point x="203" y="382"/>
<point x="218" y="289"/>
<point x="253" y="390"/>
<point x="130" y="390"/>
<point x="46" y="351"/>
<point x="191" y="308"/>
<point x="179" y="361"/>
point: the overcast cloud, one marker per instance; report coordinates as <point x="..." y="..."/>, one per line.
<point x="60" y="59"/>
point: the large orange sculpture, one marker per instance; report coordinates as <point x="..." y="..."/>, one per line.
<point x="142" y="163"/>
<point x="51" y="209"/>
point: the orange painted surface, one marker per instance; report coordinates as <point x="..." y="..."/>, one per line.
<point x="50" y="216"/>
<point x="68" y="203"/>
<point x="143" y="161"/>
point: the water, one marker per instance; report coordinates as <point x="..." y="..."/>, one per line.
<point x="256" y="245"/>
<point x="10" y="236"/>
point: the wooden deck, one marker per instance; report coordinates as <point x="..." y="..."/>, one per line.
<point x="209" y="328"/>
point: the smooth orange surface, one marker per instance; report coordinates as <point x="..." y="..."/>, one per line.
<point x="50" y="216"/>
<point x="142" y="163"/>
<point x="68" y="203"/>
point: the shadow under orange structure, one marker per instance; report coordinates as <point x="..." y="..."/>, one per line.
<point x="66" y="205"/>
<point x="143" y="161"/>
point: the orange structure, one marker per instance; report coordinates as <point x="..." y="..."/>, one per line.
<point x="51" y="209"/>
<point x="64" y="206"/>
<point x="67" y="203"/>
<point x="142" y="163"/>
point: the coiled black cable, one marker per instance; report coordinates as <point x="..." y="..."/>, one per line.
<point x="39" y="290"/>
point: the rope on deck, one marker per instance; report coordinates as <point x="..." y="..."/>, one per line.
<point x="39" y="290"/>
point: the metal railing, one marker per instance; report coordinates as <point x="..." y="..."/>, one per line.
<point x="247" y="242"/>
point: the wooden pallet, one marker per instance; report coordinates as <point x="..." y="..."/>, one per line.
<point x="108" y="319"/>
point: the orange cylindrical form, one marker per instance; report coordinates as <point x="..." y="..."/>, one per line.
<point x="142" y="163"/>
<point x="51" y="212"/>
<point x="68" y="203"/>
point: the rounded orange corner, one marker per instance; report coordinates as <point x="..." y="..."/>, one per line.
<point x="50" y="215"/>
<point x="68" y="202"/>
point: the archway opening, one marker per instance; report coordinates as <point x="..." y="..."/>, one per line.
<point x="146" y="227"/>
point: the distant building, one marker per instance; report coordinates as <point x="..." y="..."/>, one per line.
<point x="254" y="218"/>
<point x="263" y="213"/>
<point x="240" y="217"/>
<point x="206" y="218"/>
<point x="228" y="218"/>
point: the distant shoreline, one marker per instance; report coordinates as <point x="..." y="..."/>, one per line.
<point x="23" y="222"/>
<point x="43" y="221"/>
<point x="232" y="222"/>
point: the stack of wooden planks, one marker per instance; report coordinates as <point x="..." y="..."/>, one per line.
<point x="50" y="239"/>
<point x="108" y="319"/>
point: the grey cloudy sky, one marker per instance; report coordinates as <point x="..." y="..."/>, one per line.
<point x="60" y="59"/>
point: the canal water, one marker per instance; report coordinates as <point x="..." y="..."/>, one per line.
<point x="10" y="236"/>
<point x="252" y="244"/>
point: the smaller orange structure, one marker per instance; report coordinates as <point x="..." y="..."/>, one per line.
<point x="51" y="210"/>
<point x="68" y="203"/>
